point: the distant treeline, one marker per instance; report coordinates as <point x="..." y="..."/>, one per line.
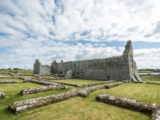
<point x="148" y="70"/>
<point x="14" y="69"/>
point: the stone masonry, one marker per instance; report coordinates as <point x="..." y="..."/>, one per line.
<point x="115" y="68"/>
<point x="41" y="69"/>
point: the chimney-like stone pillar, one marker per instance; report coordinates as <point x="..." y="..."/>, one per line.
<point x="128" y="55"/>
<point x="37" y="65"/>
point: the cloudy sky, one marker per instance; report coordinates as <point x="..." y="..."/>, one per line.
<point x="77" y="30"/>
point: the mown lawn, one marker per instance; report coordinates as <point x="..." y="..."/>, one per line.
<point x="151" y="79"/>
<point x="5" y="74"/>
<point x="78" y="81"/>
<point x="6" y="79"/>
<point x="78" y="108"/>
<point x="25" y="71"/>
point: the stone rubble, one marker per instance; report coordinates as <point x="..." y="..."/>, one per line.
<point x="7" y="81"/>
<point x="71" y="84"/>
<point x="113" y="85"/>
<point x="98" y="83"/>
<point x="84" y="92"/>
<point x="156" y="115"/>
<point x="132" y="104"/>
<point x="2" y="95"/>
<point x="41" y="89"/>
<point x="24" y="105"/>
<point x="41" y="82"/>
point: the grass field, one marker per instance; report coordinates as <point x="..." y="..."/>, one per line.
<point x="78" y="108"/>
<point x="5" y="74"/>
<point x="75" y="108"/>
<point x="151" y="79"/>
<point x="78" y="81"/>
<point x="6" y="79"/>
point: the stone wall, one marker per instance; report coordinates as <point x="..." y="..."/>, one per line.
<point x="41" y="69"/>
<point x="41" y="82"/>
<point x="116" y="68"/>
<point x="36" y="69"/>
<point x="41" y="89"/>
<point x="132" y="104"/>
<point x="7" y="81"/>
<point x="45" y="70"/>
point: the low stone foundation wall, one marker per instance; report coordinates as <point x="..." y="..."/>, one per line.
<point x="25" y="74"/>
<point x="41" y="82"/>
<point x="21" y="106"/>
<point x="7" y="82"/>
<point x="132" y="104"/>
<point x="7" y="77"/>
<point x="41" y="89"/>
<point x="98" y="83"/>
<point x="113" y="85"/>
<point x="156" y="115"/>
<point x="2" y="95"/>
<point x="10" y="77"/>
<point x="4" y="73"/>
<point x="70" y="84"/>
<point x="84" y="92"/>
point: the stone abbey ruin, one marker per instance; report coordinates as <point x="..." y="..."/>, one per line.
<point x="115" y="68"/>
<point x="48" y="86"/>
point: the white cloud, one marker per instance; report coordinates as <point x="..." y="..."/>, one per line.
<point x="147" y="58"/>
<point x="46" y="30"/>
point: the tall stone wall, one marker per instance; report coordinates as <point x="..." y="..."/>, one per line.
<point x="36" y="69"/>
<point x="101" y="69"/>
<point x="116" y="68"/>
<point x="41" y="69"/>
<point x="45" y="70"/>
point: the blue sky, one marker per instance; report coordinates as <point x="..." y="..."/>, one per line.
<point x="77" y="30"/>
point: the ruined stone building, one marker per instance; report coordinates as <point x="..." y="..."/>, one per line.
<point x="115" y="68"/>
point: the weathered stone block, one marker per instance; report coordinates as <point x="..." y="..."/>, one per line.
<point x="23" y="105"/>
<point x="85" y="92"/>
<point x="7" y="82"/>
<point x="68" y="74"/>
<point x="70" y="84"/>
<point x="42" y="82"/>
<point x="128" y="103"/>
<point x="156" y="114"/>
<point x="41" y="89"/>
<point x="98" y="83"/>
<point x="113" y="85"/>
<point x="2" y="95"/>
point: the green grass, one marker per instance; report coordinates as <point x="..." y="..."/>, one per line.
<point x="78" y="108"/>
<point x="78" y="81"/>
<point x="12" y="92"/>
<point x="151" y="79"/>
<point x="47" y="76"/>
<point x="142" y="92"/>
<point x="5" y="75"/>
<point x="6" y="79"/>
<point x="25" y="71"/>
